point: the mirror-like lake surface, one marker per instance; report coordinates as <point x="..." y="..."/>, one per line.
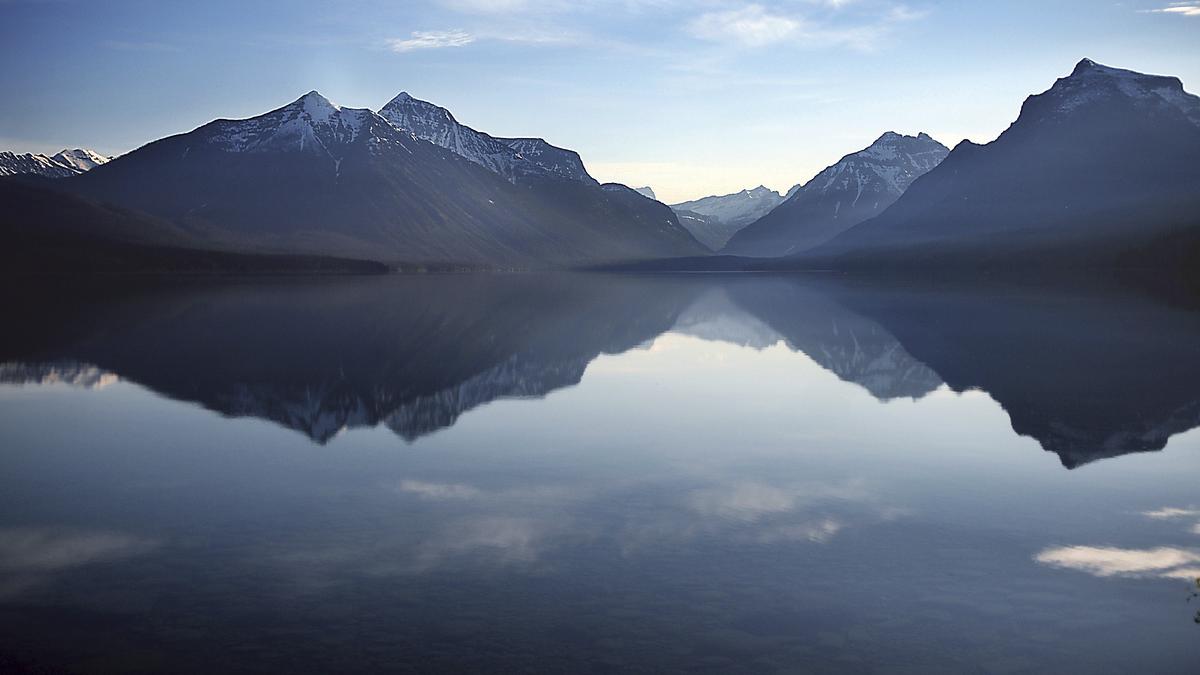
<point x="585" y="473"/>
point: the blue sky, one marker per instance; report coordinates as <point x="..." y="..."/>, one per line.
<point x="692" y="98"/>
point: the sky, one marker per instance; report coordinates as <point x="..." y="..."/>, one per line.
<point x="691" y="98"/>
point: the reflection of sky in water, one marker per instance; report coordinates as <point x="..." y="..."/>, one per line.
<point x="692" y="503"/>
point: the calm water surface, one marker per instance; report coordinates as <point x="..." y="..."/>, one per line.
<point x="599" y="473"/>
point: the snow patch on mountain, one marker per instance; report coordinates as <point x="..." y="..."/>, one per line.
<point x="309" y="124"/>
<point x="512" y="158"/>
<point x="69" y="162"/>
<point x="1092" y="83"/>
<point x="737" y="209"/>
<point x="859" y="186"/>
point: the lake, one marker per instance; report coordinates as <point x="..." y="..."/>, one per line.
<point x="592" y="473"/>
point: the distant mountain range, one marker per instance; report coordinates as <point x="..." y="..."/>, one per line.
<point x="60" y="165"/>
<point x="713" y="220"/>
<point x="1103" y="169"/>
<point x="414" y="187"/>
<point x="861" y="185"/>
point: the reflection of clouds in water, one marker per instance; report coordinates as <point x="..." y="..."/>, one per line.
<point x="46" y="550"/>
<point x="438" y="490"/>
<point x="465" y="524"/>
<point x="30" y="555"/>
<point x="1107" y="561"/>
<point x="502" y="539"/>
<point x="819" y="532"/>
<point x="1104" y="561"/>
<point x="759" y="513"/>
<point x="1170" y="512"/>
<point x="751" y="501"/>
<point x="535" y="495"/>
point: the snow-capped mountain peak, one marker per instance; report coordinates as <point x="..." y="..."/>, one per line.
<point x="317" y="107"/>
<point x="80" y="158"/>
<point x="68" y="162"/>
<point x="311" y="123"/>
<point x="1091" y="83"/>
<point x="512" y="158"/>
<point x="859" y="186"/>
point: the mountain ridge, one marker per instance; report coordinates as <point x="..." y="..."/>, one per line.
<point x="858" y="186"/>
<point x="1095" y="171"/>
<point x="67" y="162"/>
<point x="311" y="177"/>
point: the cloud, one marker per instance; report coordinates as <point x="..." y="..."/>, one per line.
<point x="1167" y="562"/>
<point x="1171" y="512"/>
<point x="755" y="26"/>
<point x="431" y="40"/>
<point x="43" y="550"/>
<point x="1179" y="8"/>
<point x="751" y="501"/>
<point x="1105" y="561"/>
<point x="750" y="26"/>
<point x="32" y="556"/>
<point x="487" y="6"/>
<point x="438" y="490"/>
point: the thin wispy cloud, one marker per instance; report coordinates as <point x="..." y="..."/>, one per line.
<point x="1178" y="8"/>
<point x="487" y="6"/>
<point x="750" y="26"/>
<point x="756" y="26"/>
<point x="431" y="40"/>
<point x="1171" y="512"/>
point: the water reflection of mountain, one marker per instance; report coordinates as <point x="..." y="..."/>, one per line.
<point x="413" y="353"/>
<point x="855" y="348"/>
<point x="1087" y="374"/>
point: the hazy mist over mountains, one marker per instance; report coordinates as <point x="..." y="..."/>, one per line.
<point x="589" y="336"/>
<point x="1101" y="170"/>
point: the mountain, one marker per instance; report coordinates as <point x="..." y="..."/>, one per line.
<point x="44" y="231"/>
<point x="646" y="191"/>
<point x="859" y="186"/>
<point x="1101" y="170"/>
<point x="314" y="178"/>
<point x="737" y="209"/>
<point x="708" y="230"/>
<point x="717" y="218"/>
<point x="513" y="158"/>
<point x="61" y="165"/>
<point x="81" y="159"/>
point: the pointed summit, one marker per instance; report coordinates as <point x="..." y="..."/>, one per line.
<point x="512" y="158"/>
<point x="860" y="186"/>
<point x="1099" y="170"/>
<point x="1094" y="88"/>
<point x="422" y="118"/>
<point x="1083" y="66"/>
<point x="318" y="107"/>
